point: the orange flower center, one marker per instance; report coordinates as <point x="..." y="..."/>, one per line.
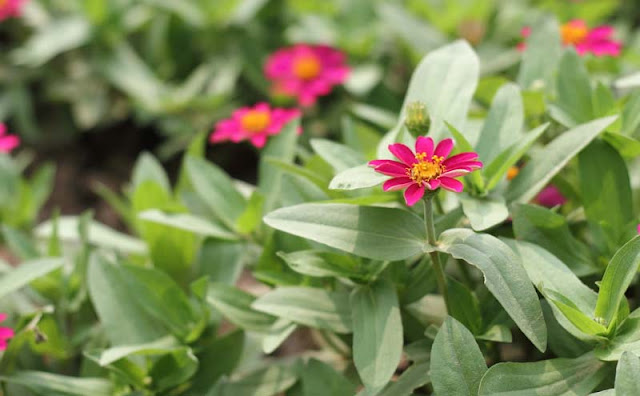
<point x="3" y="3"/>
<point x="425" y="169"/>
<point x="573" y="33"/>
<point x="255" y="120"/>
<point x="306" y="67"/>
<point x="512" y="172"/>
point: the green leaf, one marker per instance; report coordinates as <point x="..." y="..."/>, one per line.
<point x="158" y="347"/>
<point x="579" y="319"/>
<point x="495" y="171"/>
<point x="415" y="376"/>
<point x="445" y="81"/>
<point x="98" y="234"/>
<point x="547" y="162"/>
<point x="320" y="379"/>
<point x="628" y="147"/>
<point x="372" y="232"/>
<point x="27" y="272"/>
<point x="362" y="176"/>
<point x="550" y="230"/>
<point x="617" y="278"/>
<point x="269" y="381"/>
<point x="19" y="243"/>
<point x="541" y="56"/>
<point x="235" y="305"/>
<point x="545" y="378"/>
<point x="464" y="306"/>
<point x="463" y="145"/>
<point x="627" y="379"/>
<point x="604" y="182"/>
<point x="339" y="156"/>
<point x="281" y="146"/>
<point x="147" y="168"/>
<point x="215" y="188"/>
<point x="574" y="89"/>
<point x="222" y="261"/>
<point x="484" y="212"/>
<point x="626" y="339"/>
<point x="211" y="367"/>
<point x="503" y="125"/>
<point x="377" y="333"/>
<point x="308" y="306"/>
<point x="252" y="216"/>
<point x="504" y="277"/>
<point x="59" y="385"/>
<point x="113" y="300"/>
<point x="457" y="365"/>
<point x="325" y="264"/>
<point x="187" y="222"/>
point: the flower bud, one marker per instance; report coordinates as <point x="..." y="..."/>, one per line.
<point x="417" y="120"/>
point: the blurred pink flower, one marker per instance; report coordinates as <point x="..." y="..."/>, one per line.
<point x="10" y="8"/>
<point x="7" y="142"/>
<point x="5" y="332"/>
<point x="638" y="229"/>
<point x="255" y="124"/>
<point x="550" y="196"/>
<point x="427" y="168"/>
<point x="597" y="41"/>
<point x="306" y="71"/>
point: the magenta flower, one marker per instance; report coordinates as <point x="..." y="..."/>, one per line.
<point x="597" y="41"/>
<point x="550" y="197"/>
<point x="10" y="8"/>
<point x="5" y="332"/>
<point x="306" y="71"/>
<point x="255" y="124"/>
<point x="7" y="142"/>
<point x="427" y="168"/>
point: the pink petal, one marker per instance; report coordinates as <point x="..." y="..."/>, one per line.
<point x="424" y="145"/>
<point x="455" y="173"/>
<point x="638" y="229"/>
<point x="3" y="129"/>
<point x="379" y="162"/>
<point x="550" y="196"/>
<point x="413" y="194"/>
<point x="259" y="140"/>
<point x="525" y="31"/>
<point x="451" y="184"/>
<point x="469" y="165"/>
<point x="444" y="148"/>
<point x="3" y="316"/>
<point x="8" y="143"/>
<point x="6" y="332"/>
<point x="3" y="345"/>
<point x="392" y="169"/>
<point x="433" y="184"/>
<point x="397" y="183"/>
<point x="600" y="33"/>
<point x="462" y="157"/>
<point x="403" y="153"/>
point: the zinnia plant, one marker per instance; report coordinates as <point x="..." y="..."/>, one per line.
<point x="426" y="169"/>
<point x="7" y="142"/>
<point x="6" y="333"/>
<point x="254" y="124"/>
<point x="306" y="71"/>
<point x="576" y="33"/>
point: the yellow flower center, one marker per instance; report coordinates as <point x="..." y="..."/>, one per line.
<point x="306" y="67"/>
<point x="425" y="169"/>
<point x="573" y="33"/>
<point x="255" y="120"/>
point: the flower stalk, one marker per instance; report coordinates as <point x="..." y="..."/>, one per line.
<point x="435" y="258"/>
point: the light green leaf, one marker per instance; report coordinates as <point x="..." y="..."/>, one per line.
<point x="627" y="378"/>
<point x="211" y="367"/>
<point x="269" y="381"/>
<point x="574" y="89"/>
<point x="27" y="272"/>
<point x="415" y="376"/>
<point x="579" y="319"/>
<point x="215" y="188"/>
<point x="377" y="333"/>
<point x="541" y="56"/>
<point x="320" y="379"/>
<point x="362" y="176"/>
<point x="504" y="277"/>
<point x="627" y="339"/>
<point x="325" y="264"/>
<point x="457" y="365"/>
<point x="372" y="232"/>
<point x="59" y="385"/>
<point x="627" y="146"/>
<point x="545" y="378"/>
<point x="148" y="168"/>
<point x="503" y="125"/>
<point x="484" y="212"/>
<point x="235" y="305"/>
<point x="157" y="347"/>
<point x="617" y="278"/>
<point x="187" y="222"/>
<point x="339" y="156"/>
<point x="308" y="306"/>
<point x="549" y="161"/>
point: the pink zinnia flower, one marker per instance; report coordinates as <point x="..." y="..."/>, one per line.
<point x="597" y="41"/>
<point x="5" y="332"/>
<point x="426" y="168"/>
<point x="306" y="71"/>
<point x="550" y="196"/>
<point x="7" y="142"/>
<point x="255" y="124"/>
<point x="10" y="8"/>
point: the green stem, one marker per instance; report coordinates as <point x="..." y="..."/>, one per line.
<point x="435" y="258"/>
